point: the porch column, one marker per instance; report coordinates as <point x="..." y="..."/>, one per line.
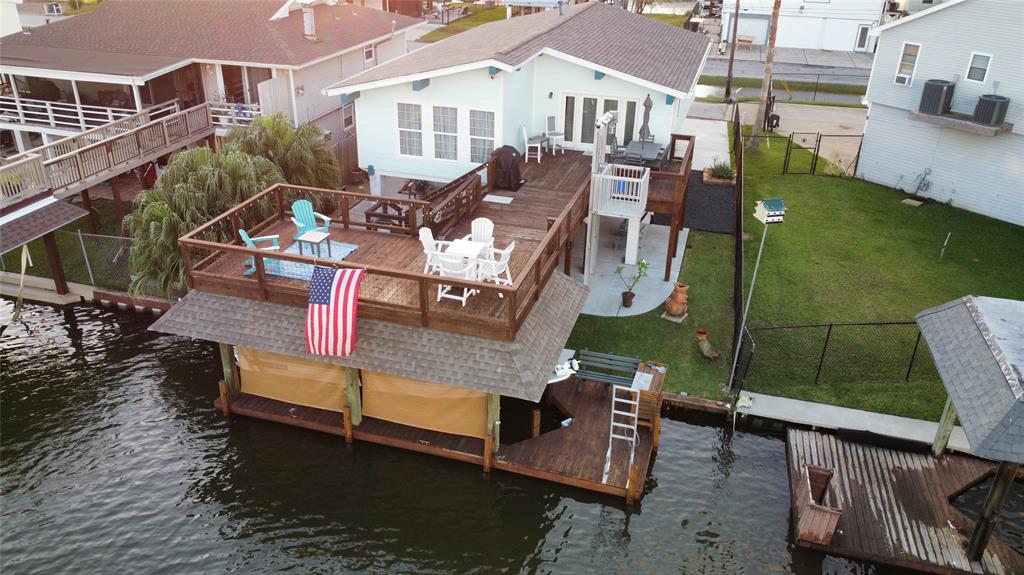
<point x="632" y="240"/>
<point x="46" y="138"/>
<point x="945" y="429"/>
<point x="245" y="85"/>
<point x="56" y="268"/>
<point x="20" y="141"/>
<point x="138" y="98"/>
<point x="17" y="101"/>
<point x="78" y="104"/>
<point x="92" y="219"/>
<point x="227" y="362"/>
<point x="993" y="501"/>
<point x="508" y="12"/>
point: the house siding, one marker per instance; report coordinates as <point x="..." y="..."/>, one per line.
<point x="983" y="174"/>
<point x="518" y="106"/>
<point x="829" y="25"/>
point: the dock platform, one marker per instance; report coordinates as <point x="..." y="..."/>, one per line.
<point x="897" y="506"/>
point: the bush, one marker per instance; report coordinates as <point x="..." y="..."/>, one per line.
<point x="722" y="169"/>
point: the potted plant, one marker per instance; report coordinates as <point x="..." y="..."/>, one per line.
<point x="720" y="173"/>
<point x="639" y="273"/>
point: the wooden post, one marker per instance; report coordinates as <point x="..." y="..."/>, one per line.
<point x="945" y="429"/>
<point x="56" y="268"/>
<point x="92" y="219"/>
<point x="632" y="493"/>
<point x="490" y="176"/>
<point x="227" y="361"/>
<point x="118" y="203"/>
<point x="488" y="453"/>
<point x="225" y="399"/>
<point x="355" y="401"/>
<point x="347" y="416"/>
<point x="535" y="429"/>
<point x="493" y="419"/>
<point x="993" y="501"/>
<point x="567" y="258"/>
<point x="656" y="432"/>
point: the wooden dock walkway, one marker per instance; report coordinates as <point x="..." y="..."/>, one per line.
<point x="896" y="505"/>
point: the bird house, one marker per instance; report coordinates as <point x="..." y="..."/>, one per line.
<point x="770" y="211"/>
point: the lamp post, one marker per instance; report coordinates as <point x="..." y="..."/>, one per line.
<point x="767" y="211"/>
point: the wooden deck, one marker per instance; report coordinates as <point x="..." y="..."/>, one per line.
<point x="896" y="506"/>
<point x="573" y="455"/>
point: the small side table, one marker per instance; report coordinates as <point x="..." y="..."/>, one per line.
<point x="315" y="240"/>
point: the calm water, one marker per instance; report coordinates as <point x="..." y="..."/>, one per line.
<point x="113" y="460"/>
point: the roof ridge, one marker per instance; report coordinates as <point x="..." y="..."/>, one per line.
<point x="558" y="23"/>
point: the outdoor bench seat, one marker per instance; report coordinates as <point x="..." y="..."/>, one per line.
<point x="606" y="368"/>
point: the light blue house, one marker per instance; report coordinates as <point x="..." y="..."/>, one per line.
<point x="437" y="112"/>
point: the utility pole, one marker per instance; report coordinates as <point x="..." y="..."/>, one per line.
<point x="766" y="85"/>
<point x="732" y="52"/>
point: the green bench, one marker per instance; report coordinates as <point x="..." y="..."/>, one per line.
<point x="606" y="368"/>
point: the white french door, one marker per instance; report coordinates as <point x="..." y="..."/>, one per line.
<point x="580" y="113"/>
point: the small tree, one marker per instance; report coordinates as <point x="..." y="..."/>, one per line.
<point x="303" y="154"/>
<point x="199" y="184"/>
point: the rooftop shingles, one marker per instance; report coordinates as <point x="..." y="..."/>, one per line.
<point x="603" y="34"/>
<point x="136" y="37"/>
<point x="36" y="223"/>
<point x="976" y="344"/>
<point x="519" y="368"/>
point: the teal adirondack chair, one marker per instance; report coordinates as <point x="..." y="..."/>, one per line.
<point x="305" y="218"/>
<point x="269" y="264"/>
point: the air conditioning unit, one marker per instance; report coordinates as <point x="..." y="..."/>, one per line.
<point x="937" y="97"/>
<point x="991" y="110"/>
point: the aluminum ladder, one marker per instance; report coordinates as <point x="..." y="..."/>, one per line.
<point x="622" y="425"/>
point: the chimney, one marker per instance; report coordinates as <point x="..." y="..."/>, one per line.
<point x="309" y="23"/>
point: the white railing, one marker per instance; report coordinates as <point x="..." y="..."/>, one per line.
<point x="228" y="115"/>
<point x="105" y="132"/>
<point x="620" y="191"/>
<point x="64" y="115"/>
<point x="22" y="179"/>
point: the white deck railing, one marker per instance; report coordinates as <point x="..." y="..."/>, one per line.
<point x="228" y="115"/>
<point x="65" y="115"/>
<point x="22" y="179"/>
<point x="620" y="191"/>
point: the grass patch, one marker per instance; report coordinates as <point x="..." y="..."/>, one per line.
<point x="673" y="19"/>
<point x="745" y="99"/>
<point x="849" y="251"/>
<point x="707" y="268"/>
<point x="477" y="17"/>
<point x="780" y="84"/>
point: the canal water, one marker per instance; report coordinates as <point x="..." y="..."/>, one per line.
<point x="113" y="460"/>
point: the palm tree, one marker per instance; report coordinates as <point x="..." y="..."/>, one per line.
<point x="303" y="154"/>
<point x="199" y="184"/>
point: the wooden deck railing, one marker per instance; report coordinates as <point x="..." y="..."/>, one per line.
<point x="93" y="163"/>
<point x="677" y="181"/>
<point x="228" y="115"/>
<point x="213" y="260"/>
<point x="65" y="115"/>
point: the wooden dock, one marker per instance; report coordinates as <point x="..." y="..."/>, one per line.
<point x="896" y="505"/>
<point x="573" y="455"/>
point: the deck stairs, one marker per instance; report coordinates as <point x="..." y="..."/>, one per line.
<point x="623" y="425"/>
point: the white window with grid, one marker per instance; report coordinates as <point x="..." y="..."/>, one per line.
<point x="977" y="68"/>
<point x="481" y="136"/>
<point x="908" y="63"/>
<point x="410" y="130"/>
<point x="446" y="133"/>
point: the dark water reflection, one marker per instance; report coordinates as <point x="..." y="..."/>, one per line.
<point x="114" y="461"/>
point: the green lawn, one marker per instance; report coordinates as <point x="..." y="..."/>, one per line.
<point x="479" y="16"/>
<point x="782" y="84"/>
<point x="849" y="251"/>
<point x="707" y="268"/>
<point x="673" y="19"/>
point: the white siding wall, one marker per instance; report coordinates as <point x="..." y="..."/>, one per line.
<point x="983" y="174"/>
<point x="818" y="25"/>
<point x="312" y="103"/>
<point x="518" y="107"/>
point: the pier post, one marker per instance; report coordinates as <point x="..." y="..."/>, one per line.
<point x="227" y="363"/>
<point x="986" y="522"/>
<point x="493" y="419"/>
<point x="945" y="429"/>
<point x="488" y="453"/>
<point x="355" y="402"/>
<point x="225" y="401"/>
<point x="347" y="414"/>
<point x="56" y="267"/>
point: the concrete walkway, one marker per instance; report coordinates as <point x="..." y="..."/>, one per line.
<point x="833" y="417"/>
<point x="712" y="140"/>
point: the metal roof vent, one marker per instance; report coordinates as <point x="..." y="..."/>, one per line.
<point x="937" y="97"/>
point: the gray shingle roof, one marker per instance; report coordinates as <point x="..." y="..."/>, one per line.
<point x="603" y="34"/>
<point x="978" y="347"/>
<point x="518" y="368"/>
<point x="46" y="218"/>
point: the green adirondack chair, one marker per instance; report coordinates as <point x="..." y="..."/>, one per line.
<point x="305" y="218"/>
<point x="269" y="264"/>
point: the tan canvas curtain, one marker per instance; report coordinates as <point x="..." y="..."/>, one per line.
<point x="292" y="379"/>
<point x="425" y="405"/>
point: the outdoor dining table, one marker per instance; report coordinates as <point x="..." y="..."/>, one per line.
<point x="649" y="151"/>
<point x="465" y="248"/>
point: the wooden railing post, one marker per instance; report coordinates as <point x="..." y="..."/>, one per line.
<point x="344" y="212"/>
<point x="512" y="309"/>
<point x="261" y="276"/>
<point x="424" y="302"/>
<point x="279" y="196"/>
<point x="410" y="220"/>
<point x="186" y="262"/>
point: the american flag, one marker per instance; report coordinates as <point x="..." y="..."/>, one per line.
<point x="331" y="318"/>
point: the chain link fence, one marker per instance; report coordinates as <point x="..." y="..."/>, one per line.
<point x="95" y="259"/>
<point x="834" y="353"/>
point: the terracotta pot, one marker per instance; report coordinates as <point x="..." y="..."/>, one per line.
<point x="627" y="298"/>
<point x="676" y="304"/>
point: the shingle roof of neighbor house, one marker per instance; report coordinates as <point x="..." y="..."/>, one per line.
<point x="602" y="34"/>
<point x="978" y="347"/>
<point x="519" y="368"/>
<point x="136" y="37"/>
<point x="38" y="219"/>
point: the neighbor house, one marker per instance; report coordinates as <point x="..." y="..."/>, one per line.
<point x="10" y="21"/>
<point x="245" y="58"/>
<point x="815" y="24"/>
<point x="946" y="118"/>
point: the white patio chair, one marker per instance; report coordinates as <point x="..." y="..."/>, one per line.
<point x="432" y="250"/>
<point x="496" y="267"/>
<point x="482" y="231"/>
<point x="556" y="139"/>
<point x="459" y="268"/>
<point x="537" y="142"/>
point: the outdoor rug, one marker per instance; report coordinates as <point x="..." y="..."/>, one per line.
<point x="496" y="199"/>
<point x="709" y="208"/>
<point x="304" y="272"/>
